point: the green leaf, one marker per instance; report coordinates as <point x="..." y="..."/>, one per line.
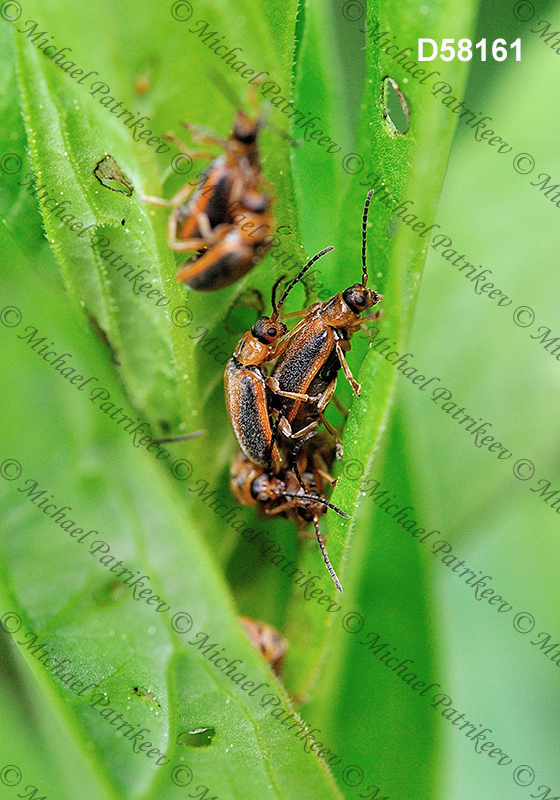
<point x="412" y="166"/>
<point x="172" y="375"/>
<point x="500" y="373"/>
<point x="87" y="615"/>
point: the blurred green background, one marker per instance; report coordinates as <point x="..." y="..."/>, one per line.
<point x="386" y="735"/>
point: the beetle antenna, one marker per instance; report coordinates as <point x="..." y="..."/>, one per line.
<point x="281" y="133"/>
<point x="318" y="500"/>
<point x="364" y="237"/>
<point x="224" y="87"/>
<point x="298" y="277"/>
<point x="274" y="288"/>
<point x="185" y="438"/>
<point x="326" y="556"/>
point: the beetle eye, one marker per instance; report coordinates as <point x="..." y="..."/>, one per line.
<point x="356" y="298"/>
<point x="272" y="332"/>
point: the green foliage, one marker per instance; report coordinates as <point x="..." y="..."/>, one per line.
<point x="159" y="372"/>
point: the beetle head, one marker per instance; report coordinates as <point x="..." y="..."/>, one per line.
<point x="359" y="298"/>
<point x="268" y="329"/>
<point x="267" y="487"/>
<point x="245" y="129"/>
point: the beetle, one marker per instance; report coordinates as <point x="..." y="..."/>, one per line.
<point x="267" y="640"/>
<point x="313" y="352"/>
<point x="246" y="383"/>
<point x="297" y="496"/>
<point x="230" y="187"/>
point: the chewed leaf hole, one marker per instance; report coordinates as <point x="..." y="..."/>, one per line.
<point x="109" y="174"/>
<point x="145" y="694"/>
<point x="396" y="111"/>
<point x="198" y="737"/>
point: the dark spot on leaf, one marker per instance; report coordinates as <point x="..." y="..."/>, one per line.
<point x="165" y="427"/>
<point x="198" y="737"/>
<point x="122" y="221"/>
<point x="396" y="111"/>
<point x="145" y="694"/>
<point x="110" y="175"/>
<point x="109" y="593"/>
<point x="100" y="333"/>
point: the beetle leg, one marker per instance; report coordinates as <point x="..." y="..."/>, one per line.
<point x="306" y="430"/>
<point x="326" y="396"/>
<point x="182" y="195"/>
<point x="210" y="237"/>
<point x="155" y="201"/>
<point x="320" y="466"/>
<point x="253" y="96"/>
<point x="279" y="509"/>
<point x="346" y="369"/>
<point x="286" y="429"/>
<point x="370" y="318"/>
<point x="301" y="313"/>
<point x="237" y="192"/>
<point x="340" y="407"/>
<point x="204" y="135"/>
<point x="189" y="245"/>
<point x="274" y="386"/>
<point x="273" y="454"/>
<point x="279" y="348"/>
<point x="172" y="233"/>
<point x="204" y="225"/>
<point x="334" y="434"/>
<point x="327" y="477"/>
<point x="323" y="402"/>
<point x="183" y="148"/>
<point x="174" y="201"/>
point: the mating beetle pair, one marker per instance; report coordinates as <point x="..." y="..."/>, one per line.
<point x="206" y="222"/>
<point x="295" y="395"/>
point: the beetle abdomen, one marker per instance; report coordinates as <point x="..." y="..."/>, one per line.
<point x="248" y="411"/>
